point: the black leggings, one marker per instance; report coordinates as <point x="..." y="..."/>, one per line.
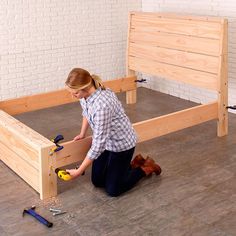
<point x="112" y="171"/>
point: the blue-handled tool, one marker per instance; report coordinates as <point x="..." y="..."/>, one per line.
<point x="58" y="138"/>
<point x="58" y="147"/>
<point x="42" y="220"/>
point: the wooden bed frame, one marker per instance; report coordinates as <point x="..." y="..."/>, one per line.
<point x="191" y="49"/>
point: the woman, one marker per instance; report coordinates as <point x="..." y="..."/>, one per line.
<point x="113" y="140"/>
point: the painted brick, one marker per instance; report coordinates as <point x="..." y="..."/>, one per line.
<point x="41" y="41"/>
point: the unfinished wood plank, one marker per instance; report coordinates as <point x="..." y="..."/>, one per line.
<point x="175" y="57"/>
<point x="26" y="171"/>
<point x="222" y="125"/>
<point x="189" y="76"/>
<point x="195" y="27"/>
<point x="166" y="124"/>
<point x="22" y="140"/>
<point x="59" y="97"/>
<point x="181" y="42"/>
<point x="36" y="102"/>
<point x="24" y="132"/>
<point x="122" y="84"/>
<point x="131" y="96"/>
<point x="172" y="15"/>
<point x="21" y="148"/>
<point x="47" y="175"/>
<point x="73" y="151"/>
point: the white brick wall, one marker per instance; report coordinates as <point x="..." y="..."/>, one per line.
<point x="42" y="40"/>
<point x="225" y="8"/>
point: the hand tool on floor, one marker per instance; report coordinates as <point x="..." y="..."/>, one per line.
<point x="57" y="211"/>
<point x="30" y="211"/>
<point x="54" y="209"/>
<point x="58" y="147"/>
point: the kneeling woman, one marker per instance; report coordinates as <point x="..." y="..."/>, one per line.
<point x="113" y="139"/>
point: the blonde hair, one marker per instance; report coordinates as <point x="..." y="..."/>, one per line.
<point x="79" y="79"/>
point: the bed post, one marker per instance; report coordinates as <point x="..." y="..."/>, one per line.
<point x="131" y="96"/>
<point x="47" y="176"/>
<point x="222" y="124"/>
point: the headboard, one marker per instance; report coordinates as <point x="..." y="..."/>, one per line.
<point x="190" y="49"/>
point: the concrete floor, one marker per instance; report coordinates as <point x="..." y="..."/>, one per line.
<point x="195" y="195"/>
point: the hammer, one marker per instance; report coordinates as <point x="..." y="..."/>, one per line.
<point x="30" y="211"/>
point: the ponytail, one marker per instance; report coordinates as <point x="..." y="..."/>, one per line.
<point x="80" y="78"/>
<point x="98" y="82"/>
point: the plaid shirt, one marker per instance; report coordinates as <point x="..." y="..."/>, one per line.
<point x="111" y="127"/>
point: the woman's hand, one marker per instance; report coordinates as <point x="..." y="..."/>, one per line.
<point x="77" y="172"/>
<point x="78" y="137"/>
<point x="74" y="173"/>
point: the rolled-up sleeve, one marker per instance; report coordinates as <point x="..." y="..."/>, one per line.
<point x="102" y="125"/>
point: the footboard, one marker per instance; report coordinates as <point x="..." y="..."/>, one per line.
<point x="20" y="149"/>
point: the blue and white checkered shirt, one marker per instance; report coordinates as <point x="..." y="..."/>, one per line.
<point x="112" y="129"/>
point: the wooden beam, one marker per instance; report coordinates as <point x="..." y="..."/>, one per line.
<point x="21" y="139"/>
<point x="121" y="85"/>
<point x="203" y="28"/>
<point x="76" y="151"/>
<point x="222" y="125"/>
<point x="196" y="78"/>
<point x="59" y="97"/>
<point x="24" y="132"/>
<point x="175" y="57"/>
<point x="166" y="124"/>
<point x="171" y="15"/>
<point x="189" y="43"/>
<point x="20" y="166"/>
<point x="36" y="102"/>
<point x="131" y="96"/>
<point x="47" y="175"/>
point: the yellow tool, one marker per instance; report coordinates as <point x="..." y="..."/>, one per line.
<point x="62" y="174"/>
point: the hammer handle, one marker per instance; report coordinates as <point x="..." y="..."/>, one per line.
<point x="39" y="218"/>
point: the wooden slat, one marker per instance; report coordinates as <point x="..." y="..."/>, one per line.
<point x="59" y="97"/>
<point x="20" y="147"/>
<point x="36" y="102"/>
<point x="166" y="124"/>
<point x="175" y="57"/>
<point x="72" y="152"/>
<point x="194" y="27"/>
<point x="20" y="166"/>
<point x="189" y="76"/>
<point x="25" y="133"/>
<point x="171" y="15"/>
<point x="180" y="42"/>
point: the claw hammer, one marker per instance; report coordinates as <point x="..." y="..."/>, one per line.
<point x="30" y="211"/>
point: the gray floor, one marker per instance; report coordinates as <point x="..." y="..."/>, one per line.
<point x="195" y="195"/>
